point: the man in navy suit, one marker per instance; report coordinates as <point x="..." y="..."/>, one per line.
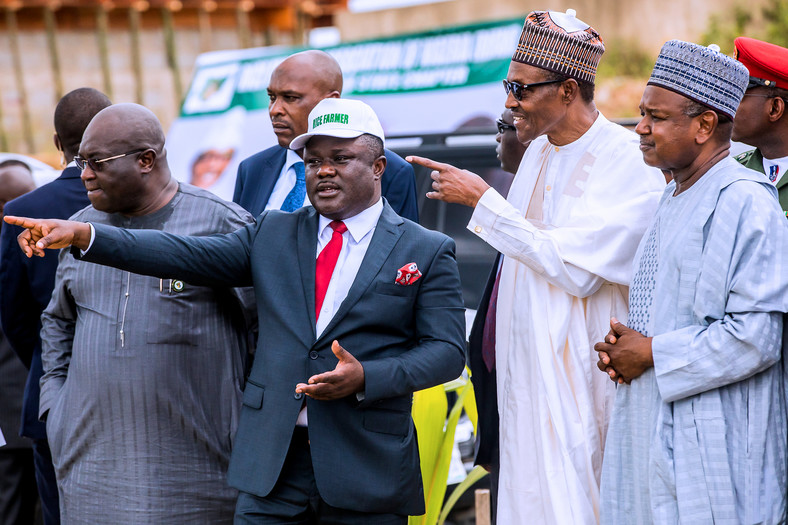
<point x="274" y="178"/>
<point x="18" y="492"/>
<point x="26" y="284"/>
<point x="358" y="309"/>
<point x="510" y="152"/>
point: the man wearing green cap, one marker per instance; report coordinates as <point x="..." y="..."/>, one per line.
<point x="358" y="309"/>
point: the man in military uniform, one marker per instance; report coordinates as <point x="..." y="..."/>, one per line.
<point x="762" y="117"/>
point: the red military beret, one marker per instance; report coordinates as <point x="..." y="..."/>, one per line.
<point x="764" y="60"/>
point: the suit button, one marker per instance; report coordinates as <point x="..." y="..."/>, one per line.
<point x="298" y="395"/>
<point x="312" y="355"/>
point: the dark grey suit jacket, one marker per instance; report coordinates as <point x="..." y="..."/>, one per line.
<point x="407" y="338"/>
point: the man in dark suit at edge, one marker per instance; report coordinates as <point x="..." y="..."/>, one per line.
<point x="18" y="492"/>
<point x="358" y="309"/>
<point x="26" y="284"/>
<point x="510" y="152"/>
<point x="273" y="178"/>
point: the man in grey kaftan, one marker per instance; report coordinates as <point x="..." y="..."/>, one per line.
<point x="700" y="437"/>
<point x="143" y="376"/>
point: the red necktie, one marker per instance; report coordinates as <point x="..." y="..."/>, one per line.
<point x="326" y="262"/>
<point x="488" y="333"/>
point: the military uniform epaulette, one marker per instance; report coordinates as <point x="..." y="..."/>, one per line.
<point x="743" y="158"/>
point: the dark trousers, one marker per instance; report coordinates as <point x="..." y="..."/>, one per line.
<point x="47" y="484"/>
<point x="18" y="494"/>
<point x="294" y="499"/>
<point x="495" y="470"/>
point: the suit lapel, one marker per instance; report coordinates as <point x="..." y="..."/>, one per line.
<point x="307" y="245"/>
<point x="387" y="233"/>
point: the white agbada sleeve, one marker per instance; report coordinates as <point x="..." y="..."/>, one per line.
<point x="595" y="244"/>
<point x="606" y="198"/>
<point x="504" y="228"/>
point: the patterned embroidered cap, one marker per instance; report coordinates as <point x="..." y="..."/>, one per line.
<point x="702" y="74"/>
<point x="560" y="42"/>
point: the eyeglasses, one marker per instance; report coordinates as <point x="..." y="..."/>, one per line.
<point x="503" y="126"/>
<point x="94" y="163"/>
<point x="517" y="89"/>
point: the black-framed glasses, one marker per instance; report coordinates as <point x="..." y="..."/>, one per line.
<point x="95" y="164"/>
<point x="503" y="126"/>
<point x="517" y="89"/>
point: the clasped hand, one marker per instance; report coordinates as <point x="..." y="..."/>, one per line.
<point x="625" y="353"/>
<point x="345" y="379"/>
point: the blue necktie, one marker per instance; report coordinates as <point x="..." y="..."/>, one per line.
<point x="295" y="199"/>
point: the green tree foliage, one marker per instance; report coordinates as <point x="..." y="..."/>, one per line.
<point x="770" y="23"/>
<point x="776" y="14"/>
<point x="625" y="59"/>
<point x="725" y="27"/>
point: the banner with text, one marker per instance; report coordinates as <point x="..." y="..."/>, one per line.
<point x="434" y="82"/>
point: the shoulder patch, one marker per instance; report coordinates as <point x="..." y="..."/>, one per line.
<point x="742" y="156"/>
<point x="745" y="157"/>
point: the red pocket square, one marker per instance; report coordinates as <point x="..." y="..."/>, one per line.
<point x="408" y="274"/>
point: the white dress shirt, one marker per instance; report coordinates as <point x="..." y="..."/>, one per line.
<point x="285" y="183"/>
<point x="355" y="242"/>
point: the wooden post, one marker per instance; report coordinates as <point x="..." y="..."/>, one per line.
<point x="171" y="49"/>
<point x="301" y="22"/>
<point x="13" y="37"/>
<point x="54" y="58"/>
<point x="204" y="19"/>
<point x="136" y="61"/>
<point x="482" y="506"/>
<point x="101" y="40"/>
<point x="244" y="27"/>
<point x="3" y="135"/>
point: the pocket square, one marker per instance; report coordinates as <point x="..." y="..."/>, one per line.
<point x="408" y="274"/>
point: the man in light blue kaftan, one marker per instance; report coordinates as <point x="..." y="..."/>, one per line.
<point x="698" y="431"/>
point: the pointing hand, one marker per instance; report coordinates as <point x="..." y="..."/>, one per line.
<point x="40" y="234"/>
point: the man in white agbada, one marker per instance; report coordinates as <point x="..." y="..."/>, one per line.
<point x="568" y="231"/>
<point x="698" y="432"/>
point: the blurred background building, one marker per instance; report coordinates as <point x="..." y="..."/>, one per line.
<point x="144" y="50"/>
